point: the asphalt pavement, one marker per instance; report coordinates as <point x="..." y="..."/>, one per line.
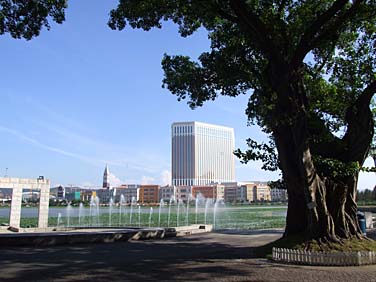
<point x="219" y="256"/>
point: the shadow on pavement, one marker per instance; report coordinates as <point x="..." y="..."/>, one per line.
<point x="134" y="261"/>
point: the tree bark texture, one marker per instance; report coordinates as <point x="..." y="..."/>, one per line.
<point x="322" y="207"/>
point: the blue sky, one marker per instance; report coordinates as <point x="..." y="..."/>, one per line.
<point x="81" y="95"/>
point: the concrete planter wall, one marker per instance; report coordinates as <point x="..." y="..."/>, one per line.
<point x="324" y="258"/>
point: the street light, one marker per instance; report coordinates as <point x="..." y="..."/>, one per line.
<point x="372" y="153"/>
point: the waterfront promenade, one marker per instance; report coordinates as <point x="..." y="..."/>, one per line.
<point x="219" y="256"/>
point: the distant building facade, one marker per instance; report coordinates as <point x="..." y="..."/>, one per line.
<point x="257" y="191"/>
<point x="278" y="195"/>
<point x="149" y="194"/>
<point x="208" y="192"/>
<point x="241" y="195"/>
<point x="167" y="192"/>
<point x="105" y="195"/>
<point x="130" y="193"/>
<point x="60" y="193"/>
<point x="183" y="193"/>
<point x="202" y="154"/>
<point x="263" y="192"/>
<point x="231" y="192"/>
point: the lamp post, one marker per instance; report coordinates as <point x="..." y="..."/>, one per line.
<point x="372" y="153"/>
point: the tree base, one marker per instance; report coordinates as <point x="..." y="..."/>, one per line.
<point x="298" y="242"/>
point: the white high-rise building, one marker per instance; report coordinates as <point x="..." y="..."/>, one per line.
<point x="202" y="153"/>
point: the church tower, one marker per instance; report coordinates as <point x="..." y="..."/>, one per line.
<point x="106" y="178"/>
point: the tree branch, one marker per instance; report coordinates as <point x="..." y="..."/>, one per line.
<point x="367" y="94"/>
<point x="335" y="27"/>
<point x="226" y="15"/>
<point x="253" y="23"/>
<point x="307" y="41"/>
<point x="360" y="127"/>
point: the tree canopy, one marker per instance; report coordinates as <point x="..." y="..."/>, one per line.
<point x="25" y="19"/>
<point x="330" y="44"/>
<point x="309" y="67"/>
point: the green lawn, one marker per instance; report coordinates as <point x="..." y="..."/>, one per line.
<point x="232" y="217"/>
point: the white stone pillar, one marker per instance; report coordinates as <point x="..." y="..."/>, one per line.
<point x="43" y="206"/>
<point x="15" y="207"/>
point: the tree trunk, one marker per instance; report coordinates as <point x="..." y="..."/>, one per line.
<point x="320" y="206"/>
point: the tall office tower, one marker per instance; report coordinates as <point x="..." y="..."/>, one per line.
<point x="202" y="153"/>
<point x="106" y="176"/>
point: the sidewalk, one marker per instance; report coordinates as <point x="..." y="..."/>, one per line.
<point x="220" y="256"/>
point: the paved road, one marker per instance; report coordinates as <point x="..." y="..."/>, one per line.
<point x="207" y="257"/>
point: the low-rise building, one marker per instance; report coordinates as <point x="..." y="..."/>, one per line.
<point x="207" y="191"/>
<point x="263" y="192"/>
<point x="149" y="194"/>
<point x="241" y="194"/>
<point x="105" y="195"/>
<point x="183" y="193"/>
<point x="131" y="193"/>
<point x="257" y="191"/>
<point x="118" y="191"/>
<point x="167" y="192"/>
<point x="86" y="195"/>
<point x="60" y="193"/>
<point x="250" y="191"/>
<point x="220" y="191"/>
<point x="278" y="195"/>
<point x="231" y="194"/>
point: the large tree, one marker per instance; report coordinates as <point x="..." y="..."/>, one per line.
<point x="25" y="18"/>
<point x="309" y="67"/>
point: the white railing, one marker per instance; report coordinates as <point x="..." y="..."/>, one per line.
<point x="324" y="258"/>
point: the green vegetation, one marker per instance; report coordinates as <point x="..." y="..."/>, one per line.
<point x="239" y="217"/>
<point x="366" y="197"/>
<point x="25" y="19"/>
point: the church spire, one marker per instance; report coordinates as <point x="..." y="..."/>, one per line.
<point x="106" y="178"/>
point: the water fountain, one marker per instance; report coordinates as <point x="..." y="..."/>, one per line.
<point x="80" y="214"/>
<point x="187" y="211"/>
<point x="172" y="199"/>
<point x="133" y="202"/>
<point x="96" y="205"/>
<point x="94" y="211"/>
<point x="180" y="201"/>
<point x="161" y="204"/>
<point x="68" y="214"/>
<point x="198" y="200"/>
<point x="121" y="204"/>
<point x="110" y="206"/>
<point x="139" y="216"/>
<point x="91" y="204"/>
<point x="150" y="216"/>
<point x="217" y="203"/>
<point x="207" y="205"/>
<point x="58" y="219"/>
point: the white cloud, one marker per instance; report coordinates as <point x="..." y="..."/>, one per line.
<point x="165" y="177"/>
<point x="114" y="180"/>
<point x="47" y="147"/>
<point x="147" y="180"/>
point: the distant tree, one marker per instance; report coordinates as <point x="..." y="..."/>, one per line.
<point x="310" y="67"/>
<point x="25" y="18"/>
<point x="279" y="184"/>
